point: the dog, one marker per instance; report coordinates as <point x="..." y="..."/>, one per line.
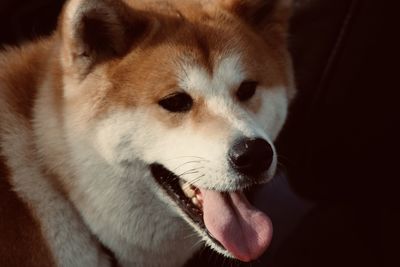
<point x="131" y="134"/>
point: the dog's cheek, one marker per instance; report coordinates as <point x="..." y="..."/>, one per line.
<point x="108" y="142"/>
<point x="119" y="138"/>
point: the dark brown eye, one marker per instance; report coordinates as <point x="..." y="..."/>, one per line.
<point x="177" y="102"/>
<point x="246" y="90"/>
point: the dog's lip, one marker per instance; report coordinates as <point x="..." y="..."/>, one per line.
<point x="170" y="184"/>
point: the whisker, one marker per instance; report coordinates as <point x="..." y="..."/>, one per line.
<point x="189" y="171"/>
<point x="195" y="180"/>
<point x="188" y="184"/>
<point x="197" y="243"/>
<point x="181" y="157"/>
<point x="185" y="163"/>
<point x="193" y="234"/>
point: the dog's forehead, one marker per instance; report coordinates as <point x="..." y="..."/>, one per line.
<point x="226" y="72"/>
<point x="202" y="58"/>
<point x="194" y="57"/>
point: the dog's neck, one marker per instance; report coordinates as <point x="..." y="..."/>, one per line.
<point x="122" y="208"/>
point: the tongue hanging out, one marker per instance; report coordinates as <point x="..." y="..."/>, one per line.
<point x="242" y="229"/>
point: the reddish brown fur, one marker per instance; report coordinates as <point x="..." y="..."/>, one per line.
<point x="21" y="70"/>
<point x="21" y="240"/>
<point x="136" y="79"/>
<point x="129" y="79"/>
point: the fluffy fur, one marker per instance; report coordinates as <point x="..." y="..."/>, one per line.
<point x="80" y="124"/>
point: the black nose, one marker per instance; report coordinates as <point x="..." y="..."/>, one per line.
<point x="251" y="156"/>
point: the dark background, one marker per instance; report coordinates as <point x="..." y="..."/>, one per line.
<point x="340" y="146"/>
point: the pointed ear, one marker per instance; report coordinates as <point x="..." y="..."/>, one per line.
<point x="261" y="13"/>
<point x="96" y="30"/>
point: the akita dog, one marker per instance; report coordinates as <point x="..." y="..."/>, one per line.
<point x="130" y="134"/>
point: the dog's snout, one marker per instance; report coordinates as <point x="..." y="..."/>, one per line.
<point x="251" y="156"/>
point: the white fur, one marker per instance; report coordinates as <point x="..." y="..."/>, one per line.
<point x="129" y="140"/>
<point x="106" y="163"/>
<point x="68" y="238"/>
<point x="120" y="205"/>
<point x="110" y="160"/>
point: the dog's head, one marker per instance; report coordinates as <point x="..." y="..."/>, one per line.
<point x="196" y="90"/>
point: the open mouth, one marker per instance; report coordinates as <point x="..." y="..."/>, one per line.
<point x="227" y="218"/>
<point x="187" y="196"/>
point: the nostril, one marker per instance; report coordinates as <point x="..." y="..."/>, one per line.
<point x="251" y="156"/>
<point x="243" y="160"/>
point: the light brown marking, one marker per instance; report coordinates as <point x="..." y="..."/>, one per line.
<point x="20" y="73"/>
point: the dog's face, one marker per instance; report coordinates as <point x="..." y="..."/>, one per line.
<point x="196" y="91"/>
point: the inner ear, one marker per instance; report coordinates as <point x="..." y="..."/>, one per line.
<point x="254" y="12"/>
<point x="99" y="36"/>
<point x="259" y="13"/>
<point x="96" y="30"/>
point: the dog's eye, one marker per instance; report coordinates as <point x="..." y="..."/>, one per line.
<point x="246" y="90"/>
<point x="177" y="102"/>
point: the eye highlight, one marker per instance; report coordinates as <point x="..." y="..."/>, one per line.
<point x="246" y="90"/>
<point x="179" y="102"/>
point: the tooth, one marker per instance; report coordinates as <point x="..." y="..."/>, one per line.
<point x="188" y="191"/>
<point x="196" y="202"/>
<point x="199" y="196"/>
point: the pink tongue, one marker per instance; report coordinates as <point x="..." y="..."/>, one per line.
<point x="242" y="229"/>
